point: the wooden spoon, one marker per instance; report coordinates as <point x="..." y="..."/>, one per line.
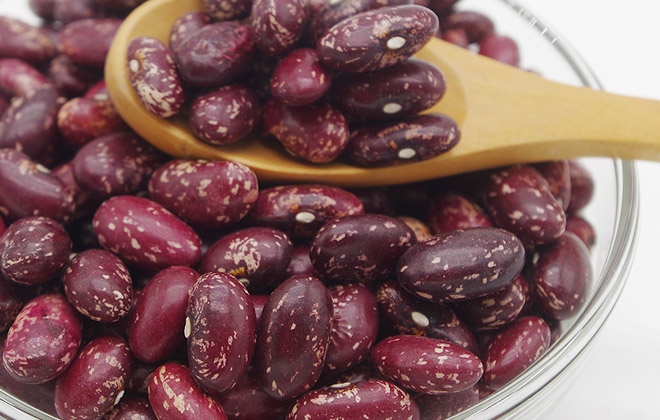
<point x="506" y="116"/>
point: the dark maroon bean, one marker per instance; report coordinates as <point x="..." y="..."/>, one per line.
<point x="83" y="119"/>
<point x="186" y="25"/>
<point x="494" y="310"/>
<point x="440" y="7"/>
<point x="354" y="326"/>
<point x="456" y="36"/>
<point x="317" y="132"/>
<point x="95" y="382"/>
<point x="411" y="139"/>
<point x="18" y="78"/>
<point x="157" y="324"/>
<point x="578" y="226"/>
<point x="257" y="257"/>
<point x="363" y="247"/>
<point x="216" y="54"/>
<point x="301" y="263"/>
<point x="514" y="349"/>
<point x="476" y="25"/>
<point x="405" y="314"/>
<point x="500" y="48"/>
<point x="519" y="200"/>
<point x="67" y="11"/>
<point x="87" y="41"/>
<point x="462" y="264"/>
<point x="441" y="407"/>
<point x="12" y="299"/>
<point x="139" y="380"/>
<point x="23" y="41"/>
<point x="29" y="125"/>
<point x="248" y="401"/>
<point x="132" y="408"/>
<point x="33" y="250"/>
<point x="397" y="91"/>
<point x="561" y="276"/>
<point x="154" y="77"/>
<point x="426" y="365"/>
<point x="363" y="400"/>
<point x="43" y="340"/>
<point x="221" y="337"/>
<point x="69" y="77"/>
<point x="115" y="164"/>
<point x="582" y="186"/>
<point x="42" y="8"/>
<point x="377" y="39"/>
<point x="421" y="230"/>
<point x="174" y="395"/>
<point x="293" y="337"/>
<point x="259" y="302"/>
<point x="452" y="211"/>
<point x="299" y="78"/>
<point x="278" y="24"/>
<point x="411" y="199"/>
<point x="145" y="234"/>
<point x="224" y="115"/>
<point x="227" y="10"/>
<point x="98" y="285"/>
<point x="301" y="210"/>
<point x="557" y="173"/>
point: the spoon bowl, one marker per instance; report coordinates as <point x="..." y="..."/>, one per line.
<point x="506" y="116"/>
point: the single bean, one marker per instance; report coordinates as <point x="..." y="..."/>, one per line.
<point x="580" y="227"/>
<point x="71" y="78"/>
<point x="500" y="48"/>
<point x="186" y="25"/>
<point x="227" y="10"/>
<point x="456" y="36"/>
<point x="132" y="408"/>
<point x="299" y="78"/>
<point x="81" y="120"/>
<point x="12" y="299"/>
<point x="582" y="186"/>
<point x="19" y="78"/>
<point x="278" y="24"/>
<point x="476" y="25"/>
<point x="23" y="41"/>
<point x="87" y="41"/>
<point x="452" y="210"/>
<point x="67" y="11"/>
<point x="441" y="407"/>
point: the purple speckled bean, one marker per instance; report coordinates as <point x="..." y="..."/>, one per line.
<point x="12" y="299"/>
<point x="174" y="395"/>
<point x="441" y="407"/>
<point x="216" y="54"/>
<point x="299" y="78"/>
<point x="258" y="257"/>
<point x="132" y="408"/>
<point x="278" y="24"/>
<point x="98" y="285"/>
<point x="154" y="77"/>
<point x="426" y="365"/>
<point x="318" y="132"/>
<point x="421" y="230"/>
<point x="452" y="211"/>
<point x="411" y="139"/>
<point x="33" y="250"/>
<point x="145" y="234"/>
<point x="582" y="186"/>
<point x="18" y="78"/>
<point x="23" y="41"/>
<point x="476" y="25"/>
<point x="561" y="276"/>
<point x="513" y="349"/>
<point x="519" y="200"/>
<point x="87" y="41"/>
<point x="186" y="25"/>
<point x="227" y="9"/>
<point x="377" y="39"/>
<point x="301" y="210"/>
<point x="557" y="173"/>
<point x="461" y="264"/>
<point x="354" y="326"/>
<point x="405" y="314"/>
<point x="96" y="380"/>
<point x="500" y="48"/>
<point x="221" y="337"/>
<point x="363" y="247"/>
<point x="67" y="11"/>
<point x="71" y="78"/>
<point x="397" y="91"/>
<point x="578" y="226"/>
<point x="43" y="340"/>
<point x="293" y="337"/>
<point x="224" y="115"/>
<point x="83" y="119"/>
<point x="363" y="400"/>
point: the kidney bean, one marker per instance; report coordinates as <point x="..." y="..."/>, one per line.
<point x="115" y="164"/>
<point x="138" y="383"/>
<point x="29" y="125"/>
<point x="132" y="408"/>
<point x="403" y="89"/>
<point x="519" y="200"/>
<point x="69" y="77"/>
<point x="216" y="54"/>
<point x="87" y="41"/>
<point x="224" y="115"/>
<point x="154" y="77"/>
<point x="582" y="186"/>
<point x="67" y="11"/>
<point x="227" y="10"/>
<point x="301" y="210"/>
<point x="18" y="78"/>
<point x="461" y="265"/>
<point x="578" y="226"/>
<point x="363" y="247"/>
<point x="278" y="24"/>
<point x="23" y="41"/>
<point x="377" y="38"/>
<point x="452" y="210"/>
<point x="12" y="299"/>
<point x="42" y="8"/>
<point x="43" y="340"/>
<point x="174" y="395"/>
<point x="561" y="276"/>
<point x="456" y="36"/>
<point x="33" y="250"/>
<point x="83" y="119"/>
<point x="443" y="406"/>
<point x="363" y="400"/>
<point x="500" y="48"/>
<point x="293" y="337"/>
<point x="299" y="78"/>
<point x="557" y="174"/>
<point x="405" y="314"/>
<point x="185" y="25"/>
<point x="514" y="349"/>
<point x="419" y="228"/>
<point x="411" y="139"/>
<point x="257" y="257"/>
<point x="476" y="25"/>
<point x="145" y="234"/>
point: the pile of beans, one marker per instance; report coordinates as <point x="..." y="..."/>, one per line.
<point x="134" y="286"/>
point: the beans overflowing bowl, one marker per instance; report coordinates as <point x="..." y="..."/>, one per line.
<point x="272" y="298"/>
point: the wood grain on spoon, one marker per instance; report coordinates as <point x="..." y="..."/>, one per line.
<point x="506" y="116"/>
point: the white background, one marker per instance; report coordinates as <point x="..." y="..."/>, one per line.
<point x="620" y="40"/>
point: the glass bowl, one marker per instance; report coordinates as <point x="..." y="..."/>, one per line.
<point x="613" y="212"/>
